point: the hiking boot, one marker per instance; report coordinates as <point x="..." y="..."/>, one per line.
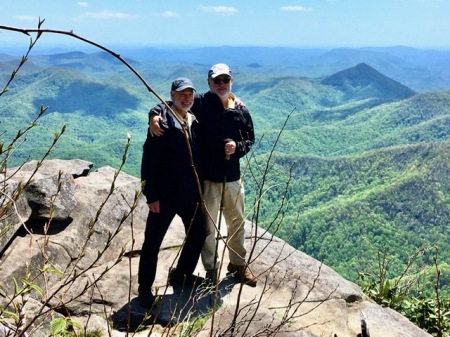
<point x="177" y="278"/>
<point x="243" y="273"/>
<point x="211" y="277"/>
<point x="145" y="297"/>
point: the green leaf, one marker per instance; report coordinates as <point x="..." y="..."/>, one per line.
<point x="10" y="314"/>
<point x="50" y="269"/>
<point x="32" y="286"/>
<point x="58" y="326"/>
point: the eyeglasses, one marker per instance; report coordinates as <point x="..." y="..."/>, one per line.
<point x="223" y="79"/>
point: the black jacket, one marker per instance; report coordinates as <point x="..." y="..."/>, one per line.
<point x="217" y="125"/>
<point x="166" y="167"/>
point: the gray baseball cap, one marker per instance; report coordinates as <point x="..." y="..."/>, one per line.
<point x="182" y="83"/>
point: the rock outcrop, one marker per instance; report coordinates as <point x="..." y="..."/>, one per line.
<point x="76" y="237"/>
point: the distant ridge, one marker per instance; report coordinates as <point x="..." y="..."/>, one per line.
<point x="364" y="82"/>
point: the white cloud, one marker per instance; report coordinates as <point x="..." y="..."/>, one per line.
<point x="296" y="9"/>
<point x="167" y="14"/>
<point x="26" y="18"/>
<point x="219" y="9"/>
<point x="82" y="4"/>
<point x="109" y="14"/>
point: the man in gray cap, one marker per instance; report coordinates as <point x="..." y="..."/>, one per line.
<point x="226" y="135"/>
<point x="170" y="188"/>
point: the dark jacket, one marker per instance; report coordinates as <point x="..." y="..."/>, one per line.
<point x="217" y="125"/>
<point x="166" y="167"/>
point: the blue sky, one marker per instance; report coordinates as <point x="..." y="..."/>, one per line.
<point x="296" y="23"/>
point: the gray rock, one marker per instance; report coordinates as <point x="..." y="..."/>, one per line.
<point x="40" y="197"/>
<point x="8" y="329"/>
<point x="18" y="213"/>
<point x="92" y="258"/>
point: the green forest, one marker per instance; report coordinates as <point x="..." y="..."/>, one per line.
<point x="359" y="162"/>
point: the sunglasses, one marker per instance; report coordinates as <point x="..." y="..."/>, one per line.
<point x="224" y="80"/>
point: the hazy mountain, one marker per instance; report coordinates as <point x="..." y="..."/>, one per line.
<point x="420" y="70"/>
<point x="363" y="82"/>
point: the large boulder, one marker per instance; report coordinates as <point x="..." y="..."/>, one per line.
<point x="86" y="260"/>
<point x="48" y="187"/>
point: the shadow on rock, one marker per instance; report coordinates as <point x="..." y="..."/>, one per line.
<point x="185" y="303"/>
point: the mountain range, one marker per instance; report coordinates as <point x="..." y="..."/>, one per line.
<point x="357" y="138"/>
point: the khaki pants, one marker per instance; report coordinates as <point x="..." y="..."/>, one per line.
<point x="233" y="214"/>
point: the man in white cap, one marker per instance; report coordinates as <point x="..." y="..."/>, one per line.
<point x="226" y="135"/>
<point x="170" y="188"/>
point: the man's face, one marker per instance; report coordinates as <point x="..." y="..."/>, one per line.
<point x="183" y="100"/>
<point x="221" y="85"/>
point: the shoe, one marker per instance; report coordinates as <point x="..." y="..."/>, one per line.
<point x="145" y="297"/>
<point x="177" y="278"/>
<point x="243" y="273"/>
<point x="211" y="277"/>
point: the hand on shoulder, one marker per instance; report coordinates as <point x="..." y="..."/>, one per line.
<point x="239" y="102"/>
<point x="155" y="126"/>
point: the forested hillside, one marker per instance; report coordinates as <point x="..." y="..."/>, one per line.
<point x="366" y="157"/>
<point x="346" y="209"/>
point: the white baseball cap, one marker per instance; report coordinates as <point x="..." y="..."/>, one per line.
<point x="219" y="69"/>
